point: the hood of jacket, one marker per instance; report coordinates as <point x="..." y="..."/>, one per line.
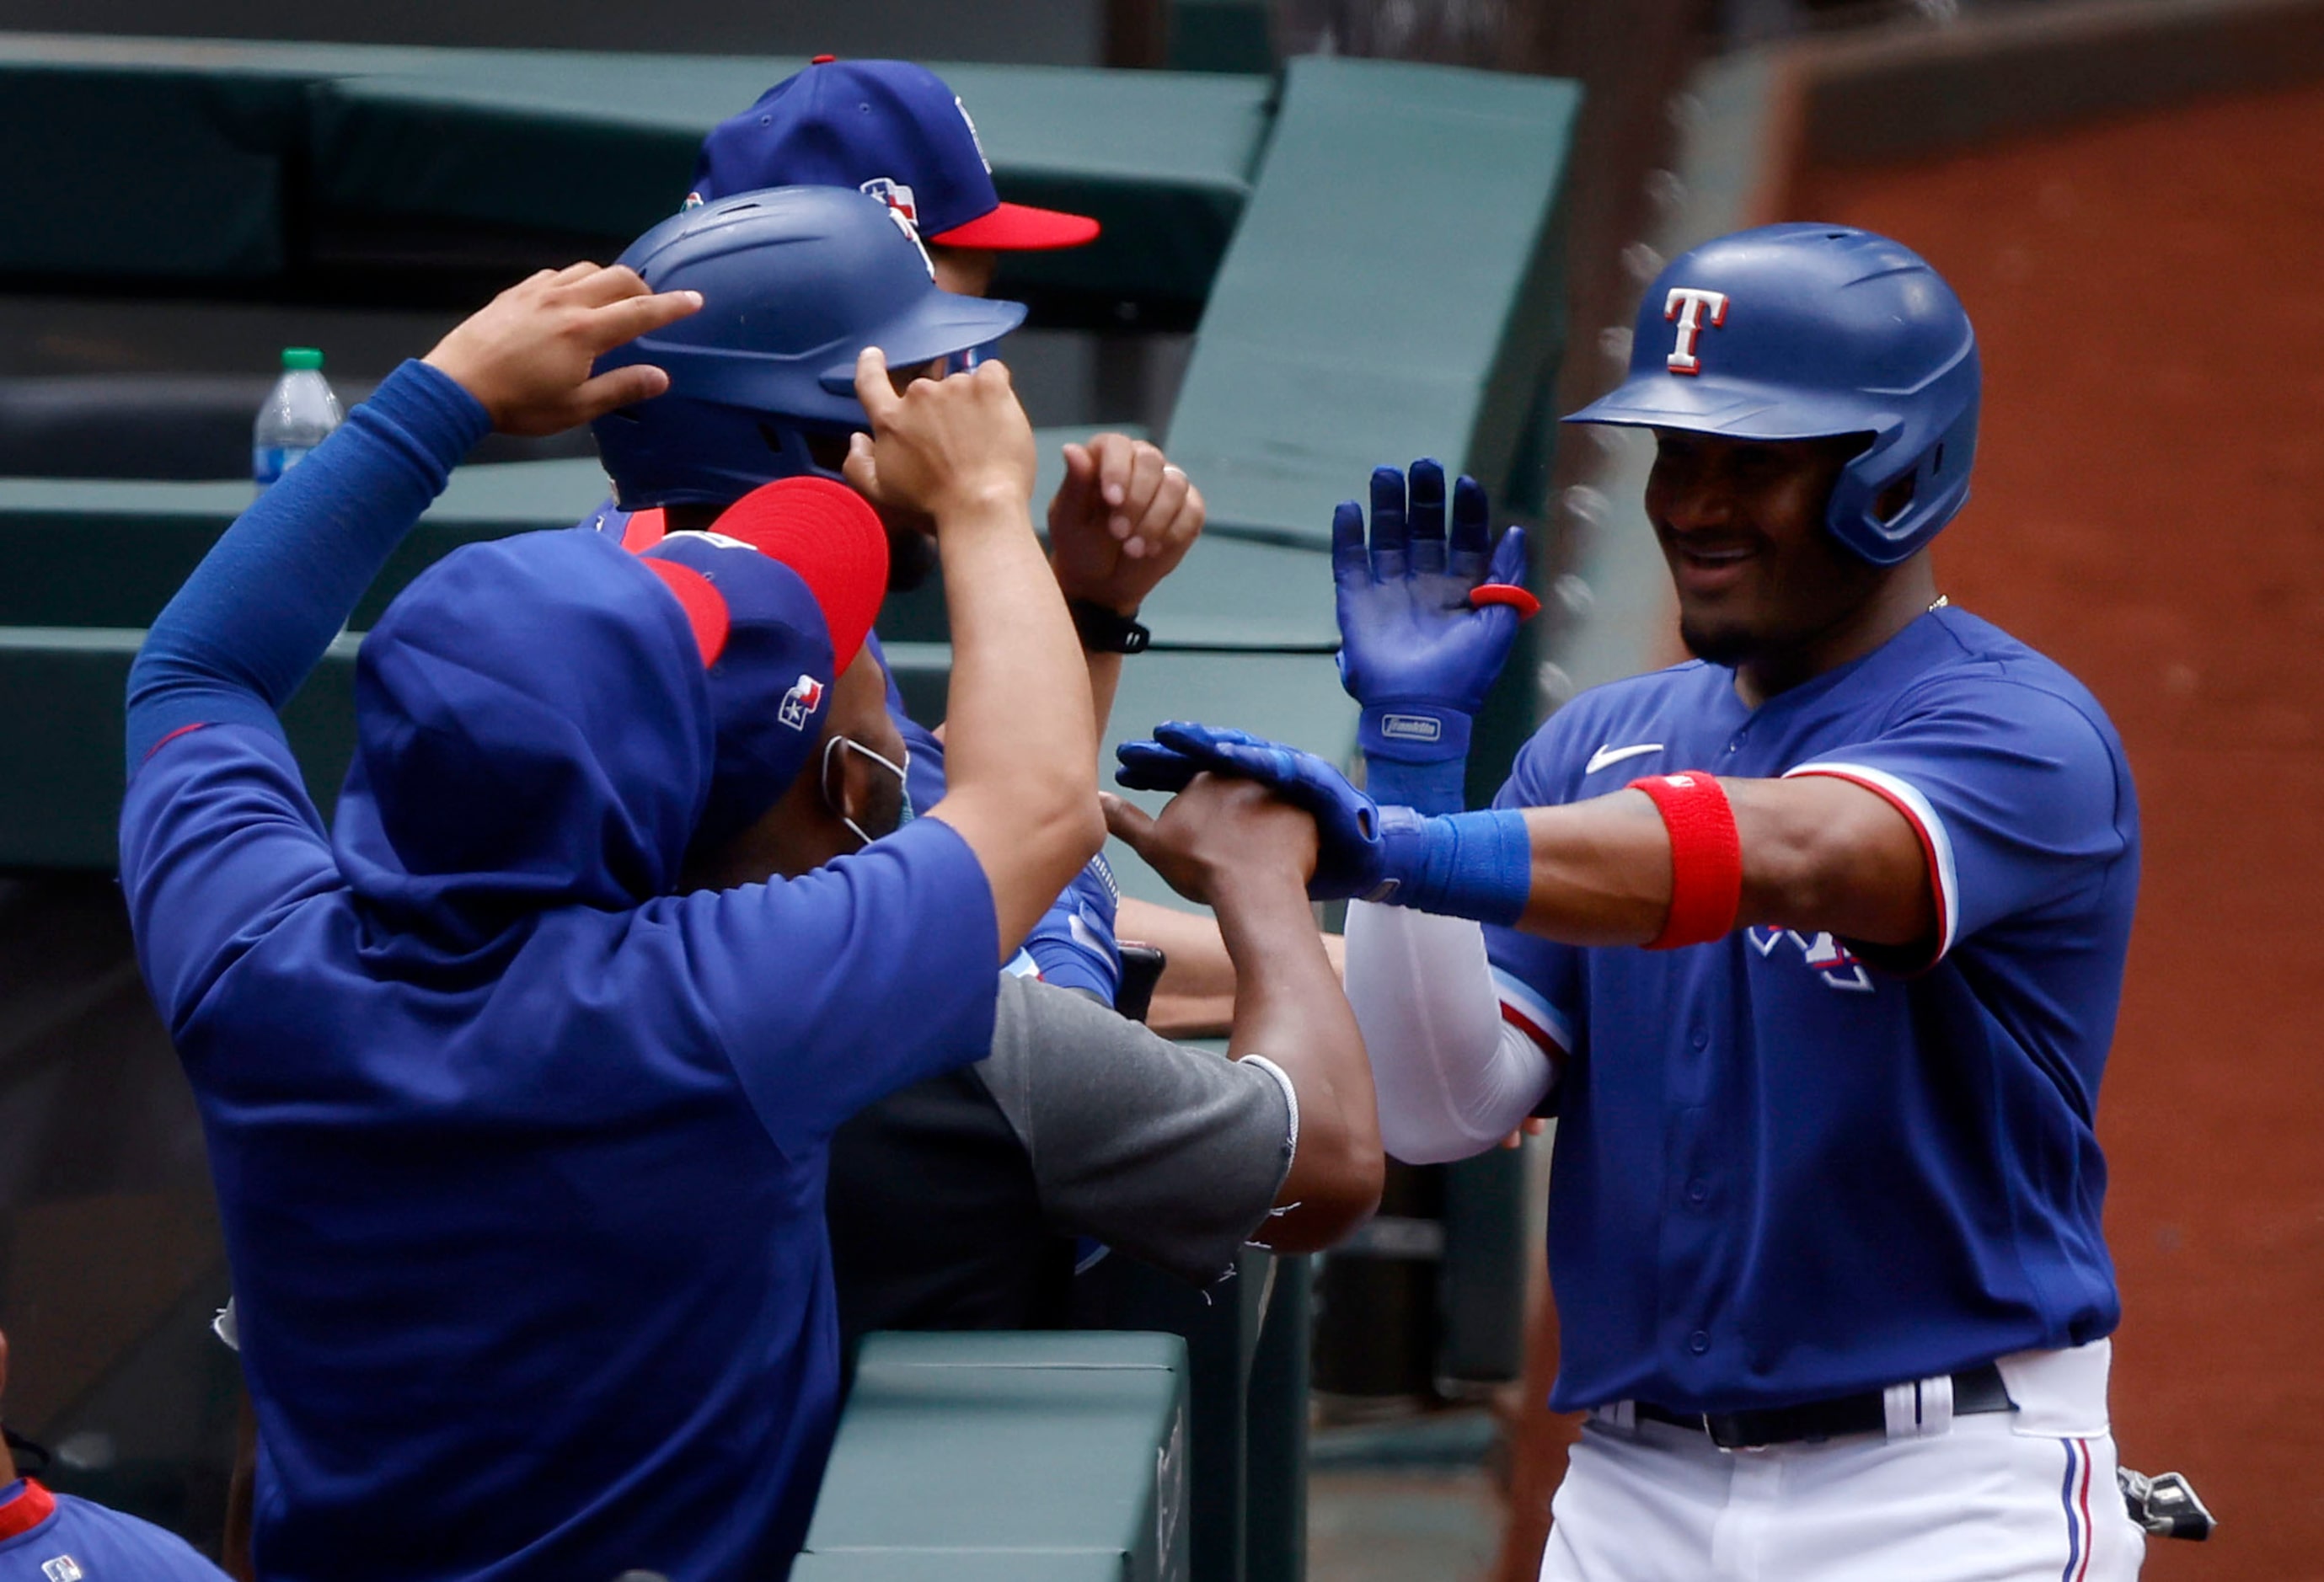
<point x="533" y="730"/>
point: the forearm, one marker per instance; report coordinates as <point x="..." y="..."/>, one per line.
<point x="1020" y="737"/>
<point x="1289" y="1007"/>
<point x="1601" y="871"/>
<point x="264" y="603"/>
<point x="1104" y="671"/>
<point x="1454" y="1078"/>
<point x="1818" y="854"/>
<point x="1196" y="998"/>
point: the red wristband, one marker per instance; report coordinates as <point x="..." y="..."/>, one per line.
<point x="1510" y="594"/>
<point x="1706" y="859"/>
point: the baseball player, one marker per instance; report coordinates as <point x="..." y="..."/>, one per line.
<point x="60" y="1537"/>
<point x="1813" y="943"/>
<point x="1124" y="517"/>
<point x="957" y="1207"/>
<point x="518" y="1153"/>
<point x="957" y="1204"/>
<point x="759" y="393"/>
<point x="898" y="132"/>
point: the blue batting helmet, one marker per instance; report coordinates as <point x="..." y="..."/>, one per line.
<point x="794" y="282"/>
<point x="1800" y="332"/>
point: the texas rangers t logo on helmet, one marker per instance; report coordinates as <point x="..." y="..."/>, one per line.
<point x="1692" y="307"/>
<point x="804" y="698"/>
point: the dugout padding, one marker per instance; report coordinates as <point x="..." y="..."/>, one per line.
<point x="263" y="166"/>
<point x="1058" y="1457"/>
<point x="1393" y="292"/>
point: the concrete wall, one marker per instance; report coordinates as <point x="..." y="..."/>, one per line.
<point x="1911" y="92"/>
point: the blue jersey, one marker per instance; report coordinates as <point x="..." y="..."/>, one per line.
<point x="520" y="1155"/>
<point x="56" y="1538"/>
<point x="1791" y="1167"/>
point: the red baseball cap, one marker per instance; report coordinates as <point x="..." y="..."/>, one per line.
<point x="889" y="128"/>
<point x="823" y="533"/>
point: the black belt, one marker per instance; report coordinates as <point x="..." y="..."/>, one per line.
<point x="1975" y="1390"/>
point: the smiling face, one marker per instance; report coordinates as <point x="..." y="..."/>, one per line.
<point x="1742" y="524"/>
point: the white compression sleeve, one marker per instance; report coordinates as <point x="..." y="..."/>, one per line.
<point x="1454" y="1078"/>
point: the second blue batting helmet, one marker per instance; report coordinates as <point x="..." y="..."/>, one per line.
<point x="794" y="282"/>
<point x="1801" y="332"/>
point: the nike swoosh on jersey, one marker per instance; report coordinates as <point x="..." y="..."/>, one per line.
<point x="1607" y="757"/>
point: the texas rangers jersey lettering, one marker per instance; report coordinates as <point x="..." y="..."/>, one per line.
<point x="1791" y="1165"/>
<point x="1839" y="966"/>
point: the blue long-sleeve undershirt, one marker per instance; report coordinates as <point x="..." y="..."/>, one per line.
<point x="266" y="601"/>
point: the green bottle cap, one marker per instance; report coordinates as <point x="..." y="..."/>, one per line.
<point x="301" y="357"/>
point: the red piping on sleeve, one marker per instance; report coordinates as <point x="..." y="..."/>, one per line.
<point x="173" y="735"/>
<point x="1533" y="1030"/>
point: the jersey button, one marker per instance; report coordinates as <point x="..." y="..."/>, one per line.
<point x="1698" y="1191"/>
<point x="1699" y="1342"/>
<point x="1698" y="1037"/>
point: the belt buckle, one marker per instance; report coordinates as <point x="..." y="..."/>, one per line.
<point x="1724" y="1429"/>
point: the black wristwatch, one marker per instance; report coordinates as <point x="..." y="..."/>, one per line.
<point x="1107" y="631"/>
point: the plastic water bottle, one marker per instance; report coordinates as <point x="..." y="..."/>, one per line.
<point x="299" y="413"/>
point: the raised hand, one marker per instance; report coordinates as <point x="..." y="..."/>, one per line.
<point x="526" y="355"/>
<point x="1121" y="522"/>
<point x="1416" y="649"/>
<point x="941" y="446"/>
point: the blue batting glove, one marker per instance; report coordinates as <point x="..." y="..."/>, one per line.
<point x="1148" y="766"/>
<point x="1074" y="946"/>
<point x="1347" y="821"/>
<point x="1475" y="865"/>
<point x="1415" y="651"/>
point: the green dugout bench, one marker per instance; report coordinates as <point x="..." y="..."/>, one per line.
<point x="1373" y="250"/>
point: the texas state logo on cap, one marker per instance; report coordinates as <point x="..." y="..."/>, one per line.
<point x="887" y="128"/>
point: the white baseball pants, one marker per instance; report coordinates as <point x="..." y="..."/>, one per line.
<point x="2023" y="1496"/>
